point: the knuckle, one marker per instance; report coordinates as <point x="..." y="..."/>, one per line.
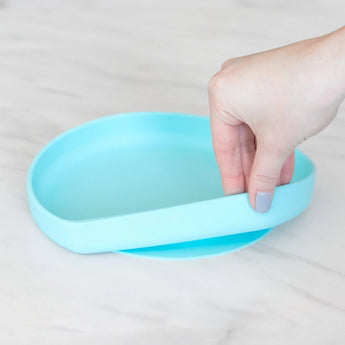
<point x="225" y="64"/>
<point x="275" y="143"/>
<point x="266" y="180"/>
<point x="224" y="148"/>
<point x="216" y="83"/>
<point x="234" y="179"/>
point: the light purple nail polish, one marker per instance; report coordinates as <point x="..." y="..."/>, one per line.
<point x="263" y="201"/>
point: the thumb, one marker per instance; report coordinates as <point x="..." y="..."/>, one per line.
<point x="264" y="176"/>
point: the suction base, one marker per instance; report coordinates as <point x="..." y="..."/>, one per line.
<point x="200" y="248"/>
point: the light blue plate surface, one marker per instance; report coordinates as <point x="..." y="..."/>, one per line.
<point x="148" y="184"/>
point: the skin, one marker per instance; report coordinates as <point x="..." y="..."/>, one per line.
<point x="264" y="105"/>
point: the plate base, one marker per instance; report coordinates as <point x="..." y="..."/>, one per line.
<point x="200" y="248"/>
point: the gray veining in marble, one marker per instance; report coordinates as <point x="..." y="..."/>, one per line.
<point x="63" y="63"/>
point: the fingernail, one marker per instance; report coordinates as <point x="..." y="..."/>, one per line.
<point x="263" y="202"/>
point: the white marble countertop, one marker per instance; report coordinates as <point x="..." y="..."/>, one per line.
<point x="62" y="65"/>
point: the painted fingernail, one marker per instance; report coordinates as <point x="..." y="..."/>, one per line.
<point x="263" y="202"/>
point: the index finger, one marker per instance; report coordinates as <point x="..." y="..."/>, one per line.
<point x="226" y="145"/>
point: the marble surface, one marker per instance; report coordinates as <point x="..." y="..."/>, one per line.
<point x="63" y="63"/>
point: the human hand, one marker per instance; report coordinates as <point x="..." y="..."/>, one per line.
<point x="264" y="105"/>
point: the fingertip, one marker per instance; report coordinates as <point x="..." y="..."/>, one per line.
<point x="263" y="201"/>
<point x="264" y="177"/>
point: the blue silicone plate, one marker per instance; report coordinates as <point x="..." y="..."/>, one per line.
<point x="148" y="184"/>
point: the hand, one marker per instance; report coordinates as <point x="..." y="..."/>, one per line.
<point x="264" y="105"/>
